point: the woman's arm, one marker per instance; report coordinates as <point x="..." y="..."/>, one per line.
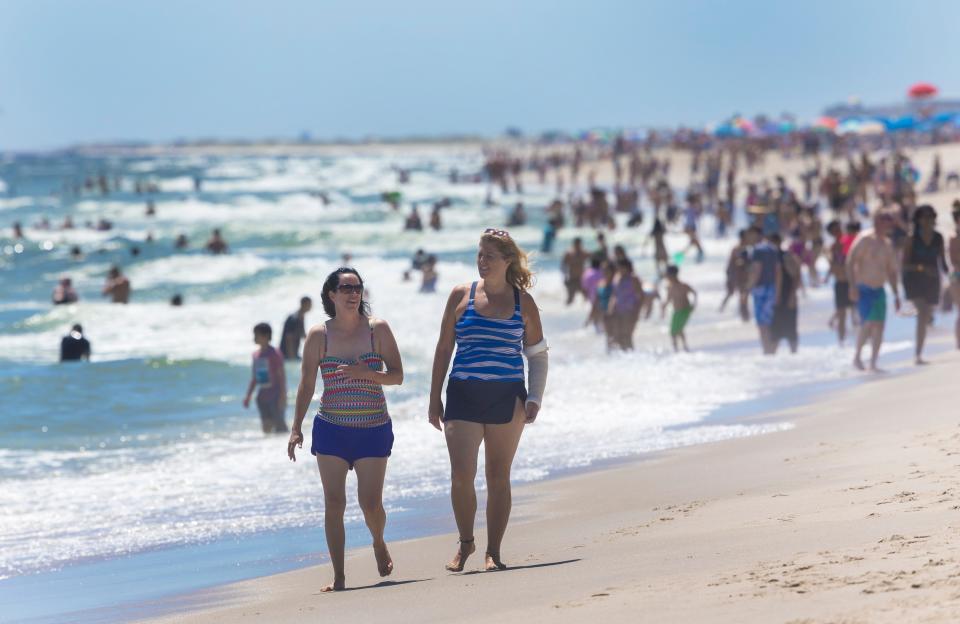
<point x="312" y="348"/>
<point x="388" y="349"/>
<point x="535" y="348"/>
<point x="446" y="343"/>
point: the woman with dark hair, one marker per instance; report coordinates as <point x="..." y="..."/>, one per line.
<point x="923" y="258"/>
<point x="493" y="322"/>
<point x="356" y="355"/>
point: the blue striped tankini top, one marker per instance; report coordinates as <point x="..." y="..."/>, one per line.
<point x="489" y="349"/>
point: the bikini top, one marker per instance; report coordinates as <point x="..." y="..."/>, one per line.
<point x="352" y="402"/>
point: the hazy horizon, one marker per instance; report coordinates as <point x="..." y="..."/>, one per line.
<point x="106" y="71"/>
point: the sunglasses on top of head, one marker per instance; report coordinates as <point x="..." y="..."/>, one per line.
<point x="496" y="232"/>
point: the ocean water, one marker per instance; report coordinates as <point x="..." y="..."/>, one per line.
<point x="145" y="457"/>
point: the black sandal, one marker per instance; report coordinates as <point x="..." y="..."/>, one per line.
<point x="496" y="561"/>
<point x="463" y="558"/>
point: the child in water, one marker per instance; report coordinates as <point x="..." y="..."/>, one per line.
<point x="268" y="375"/>
<point x="678" y="294"/>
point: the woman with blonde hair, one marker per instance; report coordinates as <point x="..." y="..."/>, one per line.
<point x="492" y="322"/>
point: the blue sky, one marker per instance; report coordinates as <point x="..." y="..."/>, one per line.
<point x="85" y="70"/>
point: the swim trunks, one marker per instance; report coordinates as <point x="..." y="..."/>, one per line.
<point x="841" y="295"/>
<point x="764" y="300"/>
<point x="872" y="304"/>
<point x="679" y="320"/>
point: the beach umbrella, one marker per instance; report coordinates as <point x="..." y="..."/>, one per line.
<point x="786" y="126"/>
<point x="744" y="125"/>
<point x="922" y="90"/>
<point x="871" y="126"/>
<point x="942" y="118"/>
<point x="826" y="123"/>
<point x="849" y="126"/>
<point x="907" y="122"/>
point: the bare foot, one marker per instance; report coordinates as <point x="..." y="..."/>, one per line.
<point x="384" y="561"/>
<point x="466" y="549"/>
<point x="877" y="370"/>
<point x="493" y="562"/>
<point x="857" y="364"/>
<point x="921" y="362"/>
<point x="339" y="584"/>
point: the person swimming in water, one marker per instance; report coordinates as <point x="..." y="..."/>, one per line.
<point x="356" y="355"/>
<point x="492" y="322"/>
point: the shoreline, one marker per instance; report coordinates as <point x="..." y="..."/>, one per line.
<point x="548" y="513"/>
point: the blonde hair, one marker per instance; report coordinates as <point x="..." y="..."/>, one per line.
<point x="519" y="274"/>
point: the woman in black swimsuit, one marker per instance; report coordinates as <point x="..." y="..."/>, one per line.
<point x="923" y="258"/>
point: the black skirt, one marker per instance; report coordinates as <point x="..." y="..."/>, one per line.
<point x="784" y="326"/>
<point x="922" y="285"/>
<point x="486" y="402"/>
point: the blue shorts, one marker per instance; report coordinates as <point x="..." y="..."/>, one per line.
<point x="351" y="443"/>
<point x="872" y="304"/>
<point x="764" y="299"/>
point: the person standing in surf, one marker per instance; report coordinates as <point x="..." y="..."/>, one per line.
<point x="871" y="263"/>
<point x="356" y="355"/>
<point x="954" y="250"/>
<point x="492" y="322"/>
<point x="924" y="255"/>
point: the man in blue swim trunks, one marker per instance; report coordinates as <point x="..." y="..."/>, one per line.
<point x="871" y="262"/>
<point x="764" y="284"/>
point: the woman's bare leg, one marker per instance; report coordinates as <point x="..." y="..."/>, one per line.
<point x="923" y="319"/>
<point x="500" y="446"/>
<point x="463" y="444"/>
<point x="370" y="474"/>
<point x="955" y="291"/>
<point x="333" y="475"/>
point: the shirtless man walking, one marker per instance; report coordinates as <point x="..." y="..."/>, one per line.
<point x="870" y="263"/>
<point x="573" y="265"/>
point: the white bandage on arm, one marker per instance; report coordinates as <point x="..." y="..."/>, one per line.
<point x="536" y="371"/>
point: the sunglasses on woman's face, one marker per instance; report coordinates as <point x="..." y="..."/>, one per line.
<point x="350" y="289"/>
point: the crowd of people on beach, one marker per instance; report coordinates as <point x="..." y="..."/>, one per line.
<point x="880" y="234"/>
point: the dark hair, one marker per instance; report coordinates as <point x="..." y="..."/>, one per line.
<point x="756" y="230"/>
<point x="331" y="284"/>
<point x="834" y="224"/>
<point x="625" y="264"/>
<point x="776" y="239"/>
<point x="77" y="328"/>
<point x="852" y="227"/>
<point x="263" y="329"/>
<point x="920" y="210"/>
<point x="305" y="300"/>
<point x="673" y="270"/>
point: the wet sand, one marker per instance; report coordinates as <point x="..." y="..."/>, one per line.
<point x="851" y="516"/>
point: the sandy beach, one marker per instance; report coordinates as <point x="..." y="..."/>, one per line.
<point x="847" y="517"/>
